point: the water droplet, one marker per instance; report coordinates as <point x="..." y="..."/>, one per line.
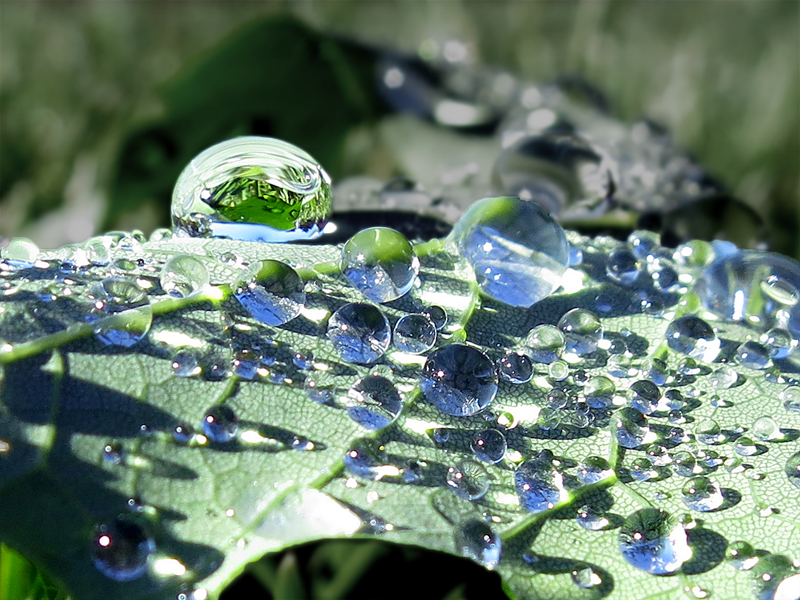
<point x="586" y="578"/>
<point x="183" y="434"/>
<point x="702" y="494"/>
<point x="741" y="555"/>
<point x="791" y="398"/>
<point x="516" y="249"/>
<point x="320" y="388"/>
<point x="651" y="540"/>
<point x="460" y="380"/>
<point x="414" y="334"/>
<point x="489" y="445"/>
<point x="753" y="355"/>
<point x="723" y="377"/>
<point x="745" y="446"/>
<point x="246" y="363"/>
<point x="368" y="459"/>
<point x="380" y="263"/>
<point x="622" y="267"/>
<point x="437" y="315"/>
<point x="776" y="578"/>
<point x="476" y="540"/>
<point x="539" y="485"/>
<point x="631" y="429"/>
<point x="359" y="332"/>
<point x="707" y="431"/>
<point x="220" y="424"/>
<point x="184" y="276"/>
<point x="373" y="402"/>
<point x="113" y="453"/>
<point x="303" y="360"/>
<point x="582" y="331"/>
<point x="599" y="391"/>
<point x="642" y="470"/>
<point x="591" y="520"/>
<point x="558" y="371"/>
<point x="271" y="291"/>
<point x="19" y="253"/>
<point x="692" y="336"/>
<point x="545" y="343"/>
<point x="122" y="313"/>
<point x="685" y="464"/>
<point x="515" y="368"/>
<point x="793" y="469"/>
<point x="185" y="364"/>
<point x="594" y="469"/>
<point x="252" y="188"/>
<point x="644" y="396"/>
<point x="767" y="429"/>
<point x="120" y="549"/>
<point x="468" y="480"/>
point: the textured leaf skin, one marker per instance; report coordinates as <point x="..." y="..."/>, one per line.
<point x="217" y="507"/>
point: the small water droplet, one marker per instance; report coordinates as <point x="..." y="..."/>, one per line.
<point x="591" y="520"/>
<point x="120" y="549"/>
<point x="380" y="263"/>
<point x="741" y="555"/>
<point x="745" y="446"/>
<point x="183" y="434"/>
<point x="113" y="453"/>
<point x="558" y="371"/>
<point x="598" y="392"/>
<point x="594" y="469"/>
<point x="373" y="402"/>
<point x="539" y="485"/>
<point x="476" y="540"/>
<point x="545" y="343"/>
<point x="644" y="396"/>
<point x="707" y="431"/>
<point x="220" y="424"/>
<point x="303" y="360"/>
<point x="468" y="480"/>
<point x="369" y="460"/>
<point x="693" y="336"/>
<point x="702" y="494"/>
<point x="631" y="429"/>
<point x="766" y="429"/>
<point x="359" y="333"/>
<point x="515" y="367"/>
<point x="779" y="343"/>
<point x="791" y="398"/>
<point x="685" y="464"/>
<point x="414" y="334"/>
<point x="582" y="331"/>
<point x="271" y="291"/>
<point x="723" y="377"/>
<point x="653" y="541"/>
<point x="622" y="267"/>
<point x="460" y="380"/>
<point x="437" y="315"/>
<point x="586" y="578"/>
<point x="185" y="364"/>
<point x="184" y="276"/>
<point x="122" y="314"/>
<point x="489" y="445"/>
<point x="642" y="470"/>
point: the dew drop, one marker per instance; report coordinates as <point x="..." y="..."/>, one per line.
<point x="707" y="431"/>
<point x="183" y="434"/>
<point x="558" y="371"/>
<point x="271" y="291"/>
<point x="184" y="276"/>
<point x="220" y="424"/>
<point x="594" y="469"/>
<point x="252" y="188"/>
<point x="622" y="267"/>
<point x="113" y="453"/>
<point x="702" y="494"/>
<point x="790" y="396"/>
<point x="545" y="343"/>
<point x="693" y="336"/>
<point x="245" y="364"/>
<point x="745" y="446"/>
<point x="591" y="520"/>
<point x="468" y="480"/>
<point x="557" y="398"/>
<point x="359" y="333"/>
<point x="122" y="314"/>
<point x="539" y="485"/>
<point x="631" y="429"/>
<point x="19" y="253"/>
<point x="685" y="464"/>
<point x="516" y="249"/>
<point x="753" y="355"/>
<point x="437" y="315"/>
<point x="766" y="429"/>
<point x="460" y="380"/>
<point x="368" y="459"/>
<point x="582" y="331"/>
<point x="599" y="391"/>
<point x="476" y="540"/>
<point x="303" y="360"/>
<point x="653" y="541"/>
<point x="586" y="578"/>
<point x="120" y="549"/>
<point x="380" y="263"/>
<point x="373" y="402"/>
<point x="642" y="470"/>
<point x="779" y="343"/>
<point x="793" y="469"/>
<point x="489" y="445"/>
<point x="185" y="364"/>
<point x="723" y="377"/>
<point x="515" y="368"/>
<point x="644" y="396"/>
<point x="414" y="334"/>
<point x="741" y="555"/>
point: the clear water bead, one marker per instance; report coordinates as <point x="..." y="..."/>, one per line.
<point x="685" y="464"/>
<point x="644" y="396"/>
<point x="539" y="485"/>
<point x="723" y="377"/>
<point x="753" y="355"/>
<point x="460" y="380"/>
<point x="220" y="424"/>
<point x="120" y="549"/>
<point x="631" y="429"/>
<point x="651" y="540"/>
<point x="594" y="469"/>
<point x="468" y="480"/>
<point x="691" y="335"/>
<point x="582" y="331"/>
<point x="586" y="578"/>
<point x="766" y="429"/>
<point x="516" y="249"/>
<point x="271" y="291"/>
<point x="476" y="540"/>
<point x="414" y="334"/>
<point x="359" y="333"/>
<point x="591" y="520"/>
<point x="437" y="315"/>
<point x="622" y="267"/>
<point x="373" y="402"/>
<point x="252" y="188"/>
<point x="380" y="263"/>
<point x="702" y="494"/>
<point x="369" y="460"/>
<point x="790" y="396"/>
<point x="793" y="469"/>
<point x="515" y="368"/>
<point x="741" y="555"/>
<point x="489" y="445"/>
<point x="185" y="364"/>
<point x="122" y="313"/>
<point x="545" y="343"/>
<point x="184" y="276"/>
<point x="19" y="253"/>
<point x="779" y="343"/>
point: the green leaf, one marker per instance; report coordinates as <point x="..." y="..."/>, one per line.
<point x="213" y="508"/>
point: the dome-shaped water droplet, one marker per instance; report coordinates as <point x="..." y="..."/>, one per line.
<point x="767" y="429"/>
<point x="702" y="494"/>
<point x="476" y="540"/>
<point x="19" y="253"/>
<point x="122" y="313"/>
<point x="252" y="188"/>
<point x="185" y="364"/>
<point x="592" y="520"/>
<point x="539" y="485"/>
<point x="437" y="315"/>
<point x="558" y="370"/>
<point x="303" y="360"/>
<point x="631" y="429"/>
<point x="779" y="343"/>
<point x="220" y="424"/>
<point x="642" y="470"/>
<point x="622" y="267"/>
<point x="245" y="364"/>
<point x="516" y="249"/>
<point x="557" y="398"/>
<point x="791" y="398"/>
<point x="320" y="387"/>
<point x="793" y="469"/>
<point x="515" y="368"/>
<point x="707" y="431"/>
<point x="745" y="446"/>
<point x="414" y="334"/>
<point x="380" y="263"/>
<point x="723" y="377"/>
<point x="489" y="445"/>
<point x="359" y="332"/>
<point x="776" y="578"/>
<point x="460" y="380"/>
<point x="113" y="453"/>
<point x="741" y="555"/>
<point x="582" y="331"/>
<point x="693" y="336"/>
<point x="468" y="480"/>
<point x="368" y="459"/>
<point x="182" y="434"/>
<point x="586" y="578"/>
<point x="120" y="549"/>
<point x="599" y="391"/>
<point x="373" y="402"/>
<point x="271" y="291"/>
<point x="644" y="396"/>
<point x="753" y="355"/>
<point x="594" y="469"/>
<point x="545" y="343"/>
<point x="184" y="276"/>
<point x="653" y="541"/>
<point x="685" y="464"/>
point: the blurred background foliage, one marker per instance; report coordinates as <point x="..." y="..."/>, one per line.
<point x="103" y="102"/>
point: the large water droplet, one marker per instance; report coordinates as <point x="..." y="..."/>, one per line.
<point x="414" y="334"/>
<point x="120" y="549"/>
<point x="545" y="343"/>
<point x="19" y="253"/>
<point x="489" y="445"/>
<point x="582" y="331"/>
<point x="767" y="429"/>
<point x="702" y="494"/>
<point x="271" y="291"/>
<point x="779" y="343"/>
<point x="476" y="540"/>
<point x="644" y="396"/>
<point x="252" y="188"/>
<point x="220" y="424"/>
<point x="122" y="313"/>
<point x="517" y="250"/>
<point x="753" y="355"/>
<point x="373" y="402"/>
<point x="184" y="276"/>
<point x="437" y="315"/>
<point x="622" y="267"/>
<point x="359" y="333"/>
<point x="468" y="480"/>
<point x="631" y="429"/>
<point x="693" y="336"/>
<point x="599" y="391"/>
<point x="594" y="469"/>
<point x="591" y="520"/>
<point x="460" y="380"/>
<point x="539" y="485"/>
<point x="185" y="364"/>
<point x="515" y="368"/>
<point x="651" y="540"/>
<point x="380" y="263"/>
